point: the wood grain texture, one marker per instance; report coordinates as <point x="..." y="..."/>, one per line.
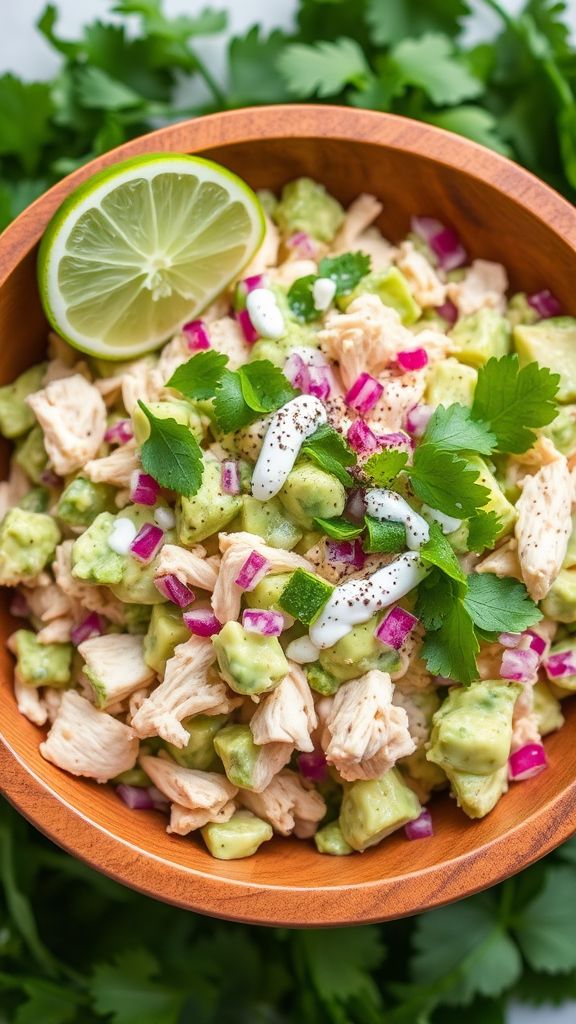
<point x="503" y="213"/>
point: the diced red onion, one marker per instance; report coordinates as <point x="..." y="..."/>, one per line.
<point x="174" y="590"/>
<point x="348" y="552"/>
<point x="561" y="664"/>
<point x="230" y="477"/>
<point x="417" y="419"/>
<point x="196" y="334"/>
<point x="202" y="622"/>
<point x="443" y="241"/>
<point x="364" y="393"/>
<point x="92" y="625"/>
<point x="545" y="303"/>
<point x="537" y="642"/>
<point x="254" y="569"/>
<point x="19" y="606"/>
<point x="421" y="827"/>
<point x="137" y="798"/>
<point x="527" y="762"/>
<point x="518" y="665"/>
<point x="49" y="478"/>
<point x="355" y="507"/>
<point x="119" y="433"/>
<point x="144" y="489"/>
<point x="509" y="639"/>
<point x="448" y="311"/>
<point x="259" y="620"/>
<point x="297" y="372"/>
<point x="412" y="359"/>
<point x="147" y="543"/>
<point x="249" y="331"/>
<point x="313" y="766"/>
<point x="397" y="439"/>
<point x="303" y="244"/>
<point x="159" y="801"/>
<point x="394" y="629"/>
<point x="319" y="382"/>
<point x="361" y="438"/>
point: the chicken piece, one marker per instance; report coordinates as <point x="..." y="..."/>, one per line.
<point x="29" y="702"/>
<point x="364" y="338"/>
<point x="401" y="394"/>
<point x="110" y="388"/>
<point x="13" y="489"/>
<point x="503" y="561"/>
<point x="58" y="369"/>
<point x="187" y="689"/>
<point x="381" y="252"/>
<point x="489" y="660"/>
<point x="359" y="216"/>
<point x="267" y="255"/>
<point x="542" y="453"/>
<point x="287" y="714"/>
<point x="95" y="599"/>
<point x="73" y="417"/>
<point x="367" y="733"/>
<point x="135" y="702"/>
<point x="226" y="336"/>
<point x="524" y="720"/>
<point x="287" y="805"/>
<point x="544" y="526"/>
<point x="58" y="631"/>
<point x="425" y="285"/>
<point x="116" y="468"/>
<point x="115" y="666"/>
<point x="291" y="270"/>
<point x="187" y="787"/>
<point x="191" y="567"/>
<point x="484" y="286"/>
<point x="137" y="383"/>
<point x="418" y="721"/>
<point x="52" y="698"/>
<point x="183" y="820"/>
<point x="272" y="758"/>
<point x="49" y="603"/>
<point x="173" y="355"/>
<point x="60" y="349"/>
<point x="84" y="741"/>
<point x="236" y="548"/>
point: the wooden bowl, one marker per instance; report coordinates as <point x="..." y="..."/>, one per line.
<point x="502" y="213"/>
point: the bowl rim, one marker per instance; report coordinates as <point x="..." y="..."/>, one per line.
<point x="244" y="900"/>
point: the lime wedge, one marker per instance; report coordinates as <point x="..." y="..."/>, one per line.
<point x="143" y="247"/>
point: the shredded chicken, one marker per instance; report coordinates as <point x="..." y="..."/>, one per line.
<point x="116" y="468"/>
<point x="484" y="285"/>
<point x="95" y="599"/>
<point x="503" y="561"/>
<point x="418" y="719"/>
<point x="52" y="698"/>
<point x="183" y="820"/>
<point x="58" y="369"/>
<point x="226" y="336"/>
<point x="137" y="382"/>
<point x="287" y="805"/>
<point x="29" y="702"/>
<point x="115" y="665"/>
<point x="489" y="660"/>
<point x="544" y="526"/>
<point x="13" y="489"/>
<point x="413" y="676"/>
<point x="292" y="270"/>
<point x="425" y="285"/>
<point x="364" y="338"/>
<point x="84" y="741"/>
<point x="401" y="394"/>
<point x="187" y="787"/>
<point x="191" y="567"/>
<point x="287" y="714"/>
<point x="381" y="252"/>
<point x="236" y="548"/>
<point x="49" y="603"/>
<point x="360" y="215"/>
<point x="73" y="417"/>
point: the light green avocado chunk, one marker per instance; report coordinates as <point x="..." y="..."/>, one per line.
<point x="92" y="558"/>
<point x="37" y="499"/>
<point x="207" y="511"/>
<point x="551" y="343"/>
<point x="560" y="601"/>
<point x="239" y="837"/>
<point x="16" y="417"/>
<point x="472" y="730"/>
<point x="41" y="664"/>
<point x="392" y="289"/>
<point x="479" y="336"/>
<point x="310" y="493"/>
<point x="519" y="310"/>
<point x="199" y="752"/>
<point x="268" y="519"/>
<point x="305" y="205"/>
<point x="547" y="709"/>
<point x="477" y="795"/>
<point x="250" y="663"/>
<point x="31" y="454"/>
<point x="81" y="501"/>
<point x="296" y="335"/>
<point x="373" y="809"/>
<point x="451" y="381"/>
<point x="27" y="544"/>
<point x="176" y="409"/>
<point x="330" y="840"/>
<point x="320" y="680"/>
<point x="239" y="754"/>
<point x="359" y="652"/>
<point x="565" y="683"/>
<point x="497" y="501"/>
<point x="562" y="430"/>
<point x="417" y="767"/>
<point x="165" y="631"/>
<point x="266" y="593"/>
<point x="137" y="583"/>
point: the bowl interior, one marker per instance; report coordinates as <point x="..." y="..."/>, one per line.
<point x="288" y="881"/>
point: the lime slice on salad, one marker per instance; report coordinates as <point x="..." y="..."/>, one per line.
<point x="143" y="247"/>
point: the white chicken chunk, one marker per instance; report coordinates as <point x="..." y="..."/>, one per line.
<point x="183" y="820"/>
<point x="115" y="666"/>
<point x="401" y="394"/>
<point x="56" y="610"/>
<point x="72" y="415"/>
<point x="503" y="561"/>
<point x="116" y="468"/>
<point x="236" y="548"/>
<point x="58" y="369"/>
<point x="272" y="757"/>
<point x="359" y="216"/>
<point x="137" y="382"/>
<point x="425" y="285"/>
<point x="84" y="741"/>
<point x="418" y="721"/>
<point x="226" y="336"/>
<point x="95" y="599"/>
<point x="367" y="733"/>
<point x="544" y="526"/>
<point x="484" y="285"/>
<point x="29" y="702"/>
<point x="287" y="805"/>
<point x="191" y="567"/>
<point x="287" y="714"/>
<point x="207" y="791"/>
<point x="365" y="338"/>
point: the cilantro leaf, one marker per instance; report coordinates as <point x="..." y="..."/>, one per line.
<point x="475" y="123"/>
<point x="301" y="298"/>
<point x="200" y="376"/>
<point x="399" y="19"/>
<point x="451" y="650"/>
<point x="338" y="971"/>
<point x="126" y="990"/>
<point x="446" y="482"/>
<point x="324" y="68"/>
<point x="230" y="407"/>
<point x="25" y="128"/>
<point x="431" y="64"/>
<point x="452" y="429"/>
<point x="384" y="535"/>
<point x="264" y="386"/>
<point x="546" y="929"/>
<point x="346" y="270"/>
<point x="252" y="68"/>
<point x="48" y="1002"/>
<point x="172" y="455"/>
<point x="500" y="604"/>
<point x="437" y="551"/>
<point x="338" y="528"/>
<point x="483" y="530"/>
<point x="435" y="593"/>
<point x="512" y="400"/>
<point x="328" y="449"/>
<point x="384" y="466"/>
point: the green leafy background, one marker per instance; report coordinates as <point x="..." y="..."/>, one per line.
<point x="76" y="948"/>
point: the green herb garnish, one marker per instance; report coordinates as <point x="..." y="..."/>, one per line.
<point x="172" y="455"/>
<point x="301" y="298"/>
<point x="304" y="596"/>
<point x="512" y="400"/>
<point x="383" y="467"/>
<point x="447" y="482"/>
<point x="338" y="528"/>
<point x="346" y="270"/>
<point x="328" y="449"/>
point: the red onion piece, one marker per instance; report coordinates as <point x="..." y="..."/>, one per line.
<point x="254" y="569"/>
<point x="443" y="241"/>
<point x="396" y="440"/>
<point x="259" y="620"/>
<point x="92" y="625"/>
<point x="230" y="477"/>
<point x="537" y="642"/>
<point x="319" y="382"/>
<point x="412" y="359"/>
<point x="448" y="311"/>
<point x="365" y="392"/>
<point x="303" y="244"/>
<point x="297" y="372"/>
<point x="159" y="801"/>
<point x="313" y="766"/>
<point x="361" y="438"/>
<point x="545" y="303"/>
<point x="417" y="419"/>
<point x="144" y="489"/>
<point x="174" y="590"/>
<point x="421" y="828"/>
<point x="509" y="639"/>
<point x="348" y="552"/>
<point x="196" y="334"/>
<point x="135" y="797"/>
<point x="247" y="285"/>
<point x="202" y="622"/>
<point x="527" y="762"/>
<point x="249" y="331"/>
<point x="49" y="478"/>
<point x="561" y="664"/>
<point x="19" y="606"/>
<point x="519" y="666"/>
<point x="355" y="507"/>
<point x="147" y="543"/>
<point x="394" y="629"/>
<point x="120" y="432"/>
<point x="311" y="378"/>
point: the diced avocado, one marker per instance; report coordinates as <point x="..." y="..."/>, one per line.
<point x="477" y="795"/>
<point x="268" y="200"/>
<point x="239" y="837"/>
<point x="519" y="310"/>
<point x="250" y="663"/>
<point x="16" y="417"/>
<point x="305" y="205"/>
<point x="330" y="840"/>
<point x="41" y="664"/>
<point x="547" y="709"/>
<point x="137" y="618"/>
<point x="92" y="558"/>
<point x="551" y="343"/>
<point x="31" y="455"/>
<point x="239" y="754"/>
<point x="266" y="593"/>
<point x="37" y="499"/>
<point x="268" y="519"/>
<point x="27" y="543"/>
<point x="246" y="442"/>
<point x="562" y="430"/>
<point x="310" y="493"/>
<point x="472" y="730"/>
<point x="560" y="601"/>
<point x="310" y="539"/>
<point x="372" y="809"/>
<point x="479" y="336"/>
<point x="137" y="583"/>
<point x="207" y="511"/>
<point x="451" y="381"/>
<point x="392" y="288"/>
<point x="165" y="631"/>
<point x="81" y="501"/>
<point x="297" y="335"/>
<point x="176" y="409"/>
<point x="566" y="683"/>
<point x="132" y="777"/>
<point x="199" y="751"/>
<point x="320" y="680"/>
<point x="358" y="652"/>
<point x="416" y="766"/>
<point x="497" y="501"/>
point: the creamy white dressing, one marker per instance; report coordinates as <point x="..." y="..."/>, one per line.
<point x="165" y="518"/>
<point x="122" y="534"/>
<point x="357" y="601"/>
<point x="288" y="429"/>
<point x="265" y="313"/>
<point x="384" y="504"/>
<point x="323" y="291"/>
<point x="448" y="523"/>
<point x="302" y="651"/>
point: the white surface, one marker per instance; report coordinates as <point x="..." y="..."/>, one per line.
<point x="24" y="51"/>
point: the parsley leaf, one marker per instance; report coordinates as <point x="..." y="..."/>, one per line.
<point x="500" y="604"/>
<point x="323" y="68"/>
<point x="399" y="19"/>
<point x="451" y="650"/>
<point x="435" y="593"/>
<point x="230" y="407"/>
<point x="384" y="466"/>
<point x="126" y="990"/>
<point x="446" y="482"/>
<point x="431" y="64"/>
<point x="200" y="376"/>
<point x="337" y="971"/>
<point x="172" y="455"/>
<point x="346" y="270"/>
<point x="252" y="68"/>
<point x="25" y="109"/>
<point x="384" y="535"/>
<point x="328" y="449"/>
<point x="483" y="529"/>
<point x="546" y="929"/>
<point x="452" y="429"/>
<point x="437" y="551"/>
<point x="301" y="298"/>
<point x="264" y="386"/>
<point x="512" y="400"/>
<point x="338" y="528"/>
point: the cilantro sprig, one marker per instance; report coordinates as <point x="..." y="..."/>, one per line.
<point x="346" y="271"/>
<point x="514" y="400"/>
<point x="172" y="455"/>
<point x="328" y="449"/>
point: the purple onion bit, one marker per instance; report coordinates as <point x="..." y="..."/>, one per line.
<point x="135" y="797"/>
<point x="196" y="334"/>
<point x="144" y="489"/>
<point x="417" y="419"/>
<point x="265" y="622"/>
<point x="443" y="241"/>
<point x="313" y="766"/>
<point x="250" y="333"/>
<point x="230" y="477"/>
<point x="527" y="762"/>
<point x="175" y="590"/>
<point x="303" y="244"/>
<point x="421" y="827"/>
<point x="19" y="606"/>
<point x="348" y="552"/>
<point x="537" y="642"/>
<point x="202" y="622"/>
<point x="147" y="543"/>
<point x="254" y="569"/>
<point x="397" y="439"/>
<point x="361" y="438"/>
<point x="563" y="663"/>
<point x="92" y="625"/>
<point x="448" y="311"/>
<point x="412" y="359"/>
<point x="119" y="433"/>
<point x="355" y="507"/>
<point x="519" y="666"/>
<point x="394" y="629"/>
<point x="545" y="303"/>
<point x="365" y="392"/>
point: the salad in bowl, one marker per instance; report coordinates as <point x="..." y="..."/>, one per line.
<point x="311" y="560"/>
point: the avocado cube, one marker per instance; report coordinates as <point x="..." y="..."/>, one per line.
<point x="27" y="544"/>
<point x="207" y="511"/>
<point x="269" y="520"/>
<point x="392" y="289"/>
<point x="358" y="652"/>
<point x="547" y="709"/>
<point x="310" y="493"/>
<point x="449" y="382"/>
<point x="250" y="663"/>
<point x="165" y="631"/>
<point x="320" y="680"/>
<point x="560" y="601"/>
<point x="266" y="595"/>
<point x="132" y="777"/>
<point x="479" y="336"/>
<point x="330" y="840"/>
<point x="41" y="664"/>
<point x="472" y="730"/>
<point x="477" y="795"/>
<point x="16" y="417"/>
<point x="199" y="752"/>
<point x="81" y="501"/>
<point x="551" y="343"/>
<point x="497" y="501"/>
<point x="427" y="775"/>
<point x="373" y="809"/>
<point x="562" y="430"/>
<point x="305" y="205"/>
<point x="239" y="754"/>
<point x="239" y="837"/>
<point x="37" y="499"/>
<point x="92" y="558"/>
<point x="31" y="454"/>
<point x="519" y="310"/>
